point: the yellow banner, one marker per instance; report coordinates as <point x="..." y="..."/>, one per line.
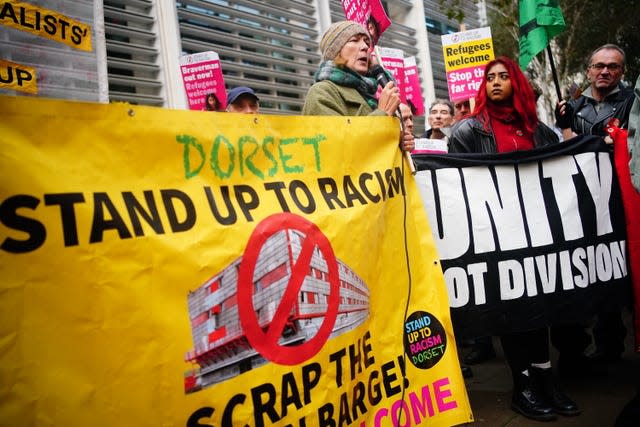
<point x="45" y="23"/>
<point x="187" y="268"/>
<point x="18" y="77"/>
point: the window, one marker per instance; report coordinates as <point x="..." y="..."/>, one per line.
<point x="132" y="56"/>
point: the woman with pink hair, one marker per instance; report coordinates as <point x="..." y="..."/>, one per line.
<point x="504" y="119"/>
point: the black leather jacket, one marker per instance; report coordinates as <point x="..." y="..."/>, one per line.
<point x="588" y="121"/>
<point x="469" y="136"/>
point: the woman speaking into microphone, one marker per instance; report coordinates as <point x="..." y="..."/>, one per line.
<point x="344" y="85"/>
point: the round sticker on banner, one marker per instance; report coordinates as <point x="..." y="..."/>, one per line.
<point x="425" y="339"/>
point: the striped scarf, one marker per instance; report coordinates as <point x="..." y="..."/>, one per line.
<point x="342" y="76"/>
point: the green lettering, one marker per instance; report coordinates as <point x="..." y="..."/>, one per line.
<point x="269" y="140"/>
<point x="314" y="141"/>
<point x="215" y="161"/>
<point x="189" y="141"/>
<point x="284" y="158"/>
<point x="250" y="165"/>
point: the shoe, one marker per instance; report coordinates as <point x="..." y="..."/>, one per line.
<point x="551" y="392"/>
<point x="479" y="353"/>
<point x="466" y="371"/>
<point x="529" y="402"/>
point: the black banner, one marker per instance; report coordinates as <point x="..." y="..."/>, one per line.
<point x="527" y="238"/>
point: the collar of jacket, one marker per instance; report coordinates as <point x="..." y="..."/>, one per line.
<point x="478" y="126"/>
<point x="617" y="94"/>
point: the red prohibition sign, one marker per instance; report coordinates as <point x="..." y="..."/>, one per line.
<point x="265" y="338"/>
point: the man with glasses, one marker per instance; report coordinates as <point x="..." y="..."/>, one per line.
<point x="588" y="114"/>
<point x="605" y="98"/>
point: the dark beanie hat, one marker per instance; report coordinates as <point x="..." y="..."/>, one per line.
<point x="336" y="36"/>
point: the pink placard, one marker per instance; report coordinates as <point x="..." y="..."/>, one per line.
<point x="464" y="83"/>
<point x="367" y="12"/>
<point x="392" y="60"/>
<point x="202" y="75"/>
<point x="412" y="89"/>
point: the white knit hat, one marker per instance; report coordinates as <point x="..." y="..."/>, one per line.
<point x="336" y="36"/>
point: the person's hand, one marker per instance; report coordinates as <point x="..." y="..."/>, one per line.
<point x="564" y="115"/>
<point x="389" y="99"/>
<point x="614" y="131"/>
<point x="408" y="141"/>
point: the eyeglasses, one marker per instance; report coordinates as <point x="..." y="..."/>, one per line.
<point x="611" y="67"/>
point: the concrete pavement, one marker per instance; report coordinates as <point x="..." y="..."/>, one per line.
<point x="601" y="398"/>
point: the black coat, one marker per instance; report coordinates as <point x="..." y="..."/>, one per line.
<point x="469" y="136"/>
<point x="588" y="121"/>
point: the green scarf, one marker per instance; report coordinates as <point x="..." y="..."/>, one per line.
<point x="342" y="76"/>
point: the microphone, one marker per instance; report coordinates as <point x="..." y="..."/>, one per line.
<point x="382" y="78"/>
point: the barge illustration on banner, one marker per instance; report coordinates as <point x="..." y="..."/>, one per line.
<point x="222" y="349"/>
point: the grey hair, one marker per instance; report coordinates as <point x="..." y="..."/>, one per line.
<point x="609" y="46"/>
<point x="443" y="102"/>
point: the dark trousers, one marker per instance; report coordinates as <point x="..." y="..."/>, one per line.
<point x="524" y="348"/>
<point x="485" y="342"/>
<point x="609" y="332"/>
<point x="572" y="339"/>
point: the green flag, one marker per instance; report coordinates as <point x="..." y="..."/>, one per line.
<point x="540" y="21"/>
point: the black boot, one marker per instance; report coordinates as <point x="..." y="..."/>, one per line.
<point x="547" y="384"/>
<point x="528" y="401"/>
